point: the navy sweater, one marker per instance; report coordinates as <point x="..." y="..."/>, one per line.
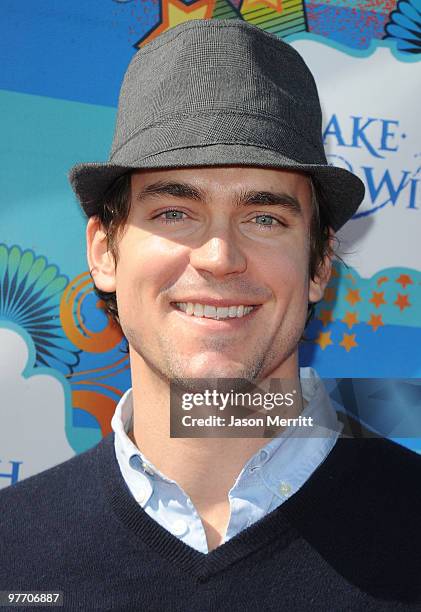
<point x="349" y="539"/>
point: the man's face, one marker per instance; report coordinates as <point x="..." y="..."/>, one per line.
<point x="203" y="236"/>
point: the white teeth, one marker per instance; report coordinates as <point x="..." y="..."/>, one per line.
<point x="213" y="312"/>
<point x="210" y="312"/>
<point x="222" y="312"/>
<point x="198" y="310"/>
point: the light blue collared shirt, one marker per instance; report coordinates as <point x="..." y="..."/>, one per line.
<point x="269" y="477"/>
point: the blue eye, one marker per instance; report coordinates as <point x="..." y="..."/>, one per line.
<point x="172" y="216"/>
<point x="269" y="224"/>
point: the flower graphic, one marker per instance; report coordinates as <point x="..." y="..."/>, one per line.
<point x="405" y="26"/>
<point x="30" y="293"/>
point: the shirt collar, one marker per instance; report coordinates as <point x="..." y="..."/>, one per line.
<point x="287" y="460"/>
<point x="122" y="424"/>
<point x="317" y="405"/>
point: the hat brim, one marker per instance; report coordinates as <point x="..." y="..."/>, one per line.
<point x="343" y="191"/>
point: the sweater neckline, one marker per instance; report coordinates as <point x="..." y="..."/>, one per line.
<point x="276" y="526"/>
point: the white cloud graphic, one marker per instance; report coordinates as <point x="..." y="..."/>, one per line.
<point x="32" y="413"/>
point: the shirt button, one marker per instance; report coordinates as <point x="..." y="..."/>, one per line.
<point x="179" y="527"/>
<point x="285" y="488"/>
<point x="141" y="495"/>
<point x="148" y="469"/>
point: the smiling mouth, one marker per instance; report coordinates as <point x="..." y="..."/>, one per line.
<point x="220" y="313"/>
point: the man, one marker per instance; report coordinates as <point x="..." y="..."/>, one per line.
<point x="209" y="238"/>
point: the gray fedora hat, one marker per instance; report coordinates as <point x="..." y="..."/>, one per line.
<point x="213" y="92"/>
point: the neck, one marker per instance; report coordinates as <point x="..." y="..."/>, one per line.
<point x="205" y="468"/>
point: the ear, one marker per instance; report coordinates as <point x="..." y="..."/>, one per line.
<point x="318" y="284"/>
<point x="100" y="259"/>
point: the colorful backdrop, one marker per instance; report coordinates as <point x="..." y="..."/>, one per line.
<point x="62" y="369"/>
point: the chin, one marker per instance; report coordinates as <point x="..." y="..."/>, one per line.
<point x="215" y="366"/>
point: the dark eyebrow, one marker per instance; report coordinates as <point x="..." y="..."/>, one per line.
<point x="186" y="191"/>
<point x="170" y="188"/>
<point x="269" y="198"/>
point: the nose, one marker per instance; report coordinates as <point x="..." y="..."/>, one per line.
<point x="219" y="253"/>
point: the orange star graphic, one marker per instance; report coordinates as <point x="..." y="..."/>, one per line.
<point x="325" y="316"/>
<point x="323" y="340"/>
<point x="348" y="342"/>
<point x="381" y="280"/>
<point x="404" y="280"/>
<point x="353" y="296"/>
<point x="402" y="301"/>
<point x="378" y="298"/>
<point x="329" y="294"/>
<point x="334" y="273"/>
<point x="375" y="321"/>
<point x="350" y="319"/>
<point x="175" y="12"/>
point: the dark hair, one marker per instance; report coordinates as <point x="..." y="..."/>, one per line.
<point x="114" y="209"/>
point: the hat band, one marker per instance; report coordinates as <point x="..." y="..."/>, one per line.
<point x="231" y="128"/>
